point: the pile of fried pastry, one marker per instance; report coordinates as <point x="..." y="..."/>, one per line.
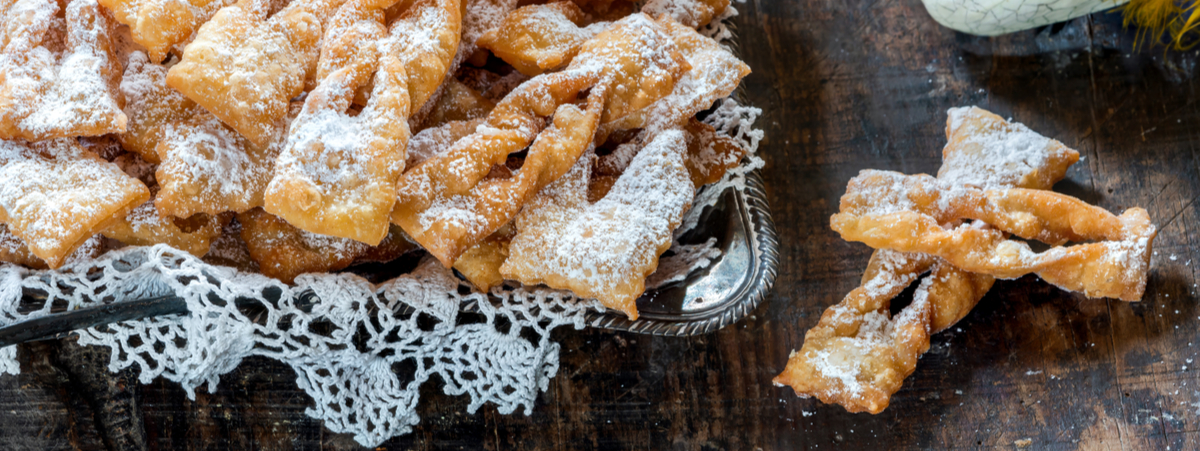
<point x="956" y="234"/>
<point x="544" y="142"/>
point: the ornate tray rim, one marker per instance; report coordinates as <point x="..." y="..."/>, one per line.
<point x="755" y="214"/>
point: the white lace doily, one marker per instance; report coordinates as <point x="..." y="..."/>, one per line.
<point x="363" y="350"/>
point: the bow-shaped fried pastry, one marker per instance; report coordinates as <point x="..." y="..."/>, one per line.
<point x="905" y="213"/>
<point x="448" y="203"/>
<point x="457" y="103"/>
<point x="13" y="250"/>
<point x="284" y="252"/>
<point x="337" y="174"/>
<point x="538" y="38"/>
<point x="600" y="232"/>
<point x="604" y="250"/>
<point x="846" y="364"/>
<point x="48" y="93"/>
<point x="858" y="355"/>
<point x="145" y="226"/>
<point x="160" y="25"/>
<point x="425" y="38"/>
<point x="55" y="195"/>
<point x="206" y="167"/>
<point x="714" y="75"/>
<point x="245" y="67"/>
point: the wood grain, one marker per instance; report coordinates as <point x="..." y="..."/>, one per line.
<point x="844" y="86"/>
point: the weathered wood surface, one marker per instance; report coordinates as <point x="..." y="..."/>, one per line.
<point x="844" y="85"/>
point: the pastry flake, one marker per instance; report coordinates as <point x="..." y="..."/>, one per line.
<point x="161" y="25"/>
<point x="449" y="202"/>
<point x="59" y="73"/>
<point x="604" y="249"/>
<point x="55" y="195"/>
<point x="284" y="252"/>
<point x="245" y="67"/>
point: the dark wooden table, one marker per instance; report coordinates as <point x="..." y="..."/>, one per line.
<point x="844" y="85"/>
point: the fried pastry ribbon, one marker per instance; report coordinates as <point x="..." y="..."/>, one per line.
<point x="245" y="67"/>
<point x="145" y="226"/>
<point x="58" y="78"/>
<point x="709" y="154"/>
<point x="13" y="250"/>
<point x="449" y="203"/>
<point x="905" y="213"/>
<point x="856" y="355"/>
<point x="285" y="252"/>
<point x="604" y="250"/>
<point x="337" y="175"/>
<point x="160" y="25"/>
<point x="55" y="195"/>
<point x="538" y="38"/>
<point x="205" y="166"/>
<point x="714" y="74"/>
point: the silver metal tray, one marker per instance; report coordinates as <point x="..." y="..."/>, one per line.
<point x="708" y="299"/>
<point x="724" y="292"/>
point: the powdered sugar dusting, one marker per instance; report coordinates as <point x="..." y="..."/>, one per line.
<point x="206" y="166"/>
<point x="60" y="75"/>
<point x="604" y="249"/>
<point x="992" y="154"/>
<point x="434" y="141"/>
<point x="53" y="193"/>
<point x="693" y="13"/>
<point x="481" y="16"/>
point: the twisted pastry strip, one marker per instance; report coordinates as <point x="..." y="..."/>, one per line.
<point x="55" y="195"/>
<point x="159" y="25"/>
<point x="337" y="174"/>
<point x="605" y="249"/>
<point x="714" y="75"/>
<point x="245" y="67"/>
<point x="983" y="150"/>
<point x="448" y="202"/>
<point x="538" y="38"/>
<point x="425" y="38"/>
<point x="905" y="213"/>
<point x="857" y="356"/>
<point x="48" y="92"/>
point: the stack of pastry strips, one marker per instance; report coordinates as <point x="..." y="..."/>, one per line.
<point x="555" y="142"/>
<point x="956" y="227"/>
